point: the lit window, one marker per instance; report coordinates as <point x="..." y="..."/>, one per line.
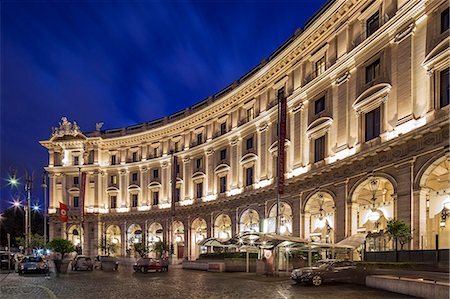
<point x="319" y="149"/>
<point x="249" y="143"/>
<point x="113" y="159"/>
<point x="445" y="88"/>
<point x="250" y="114"/>
<point x="373" y="71"/>
<point x="76" y="160"/>
<point x="223" y="128"/>
<point x="155" y="198"/>
<point x="113" y="179"/>
<point x="373" y="124"/>
<point x="445" y="18"/>
<point x="319" y="105"/>
<point x="223" y="184"/>
<point x="199" y="193"/>
<point x="76" y="201"/>
<point x="249" y="176"/>
<point x="134" y="200"/>
<point x="134" y="176"/>
<point x="176" y="146"/>
<point x="113" y="201"/>
<point x="320" y="66"/>
<point x="223" y="154"/>
<point x="372" y="24"/>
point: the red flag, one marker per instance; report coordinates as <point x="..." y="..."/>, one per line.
<point x="82" y="194"/>
<point x="281" y="138"/>
<point x="62" y="212"/>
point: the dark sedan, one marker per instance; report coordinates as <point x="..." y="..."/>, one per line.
<point x="33" y="264"/>
<point x="326" y="270"/>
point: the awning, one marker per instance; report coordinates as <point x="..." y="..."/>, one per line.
<point x="354" y="241"/>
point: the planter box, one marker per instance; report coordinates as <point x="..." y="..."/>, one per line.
<point x="216" y="267"/>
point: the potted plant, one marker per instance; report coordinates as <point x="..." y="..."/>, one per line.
<point x="63" y="247"/>
<point x="400" y="232"/>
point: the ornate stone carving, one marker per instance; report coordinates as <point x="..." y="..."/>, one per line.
<point x="262" y="127"/>
<point x="209" y="151"/>
<point x="66" y="128"/>
<point x="343" y="78"/>
<point x="234" y="141"/>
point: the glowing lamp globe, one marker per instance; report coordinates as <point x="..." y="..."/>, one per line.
<point x="283" y="229"/>
<point x="373" y="216"/>
<point x="177" y="239"/>
<point x="320" y="223"/>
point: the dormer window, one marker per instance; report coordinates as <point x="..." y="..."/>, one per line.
<point x="373" y="71"/>
<point x="319" y="105"/>
<point x="445" y="18"/>
<point x="372" y="24"/>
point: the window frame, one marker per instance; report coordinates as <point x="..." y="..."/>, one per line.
<point x="375" y="17"/>
<point x="76" y="199"/>
<point x="442" y="91"/>
<point x="374" y="70"/>
<point x="249" y="181"/>
<point x="134" y="200"/>
<point x="249" y="143"/>
<point x="223" y="154"/>
<point x="445" y="16"/>
<point x="199" y="190"/>
<point x="113" y="201"/>
<point x="376" y="128"/>
<point x="320" y="156"/>
<point x="322" y="99"/>
<point x="133" y="179"/>
<point x="222" y="184"/>
<point x="155" y="198"/>
<point x="319" y="66"/>
<point x="223" y="128"/>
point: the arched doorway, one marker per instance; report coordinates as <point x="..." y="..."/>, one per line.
<point x="178" y="240"/>
<point x="319" y="218"/>
<point x="435" y="193"/>
<point x="134" y="236"/>
<point x="198" y="233"/>
<point x="74" y="235"/>
<point x="156" y="238"/>
<point x="249" y="221"/>
<point x="285" y="218"/>
<point x="222" y="227"/>
<point x="112" y="244"/>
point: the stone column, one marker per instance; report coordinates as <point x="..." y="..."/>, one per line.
<point x="124" y="239"/>
<point x="234" y="163"/>
<point x="123" y="176"/>
<point x="305" y="159"/>
<point x="165" y="181"/>
<point x="143" y="193"/>
<point x="405" y="208"/>
<point x="296" y="216"/>
<point x="420" y="218"/>
<point x="261" y="167"/>
<point x="210" y="187"/>
<point x="307" y="225"/>
<point x="340" y="213"/>
<point x="186" y="191"/>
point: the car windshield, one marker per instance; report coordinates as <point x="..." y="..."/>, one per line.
<point x="322" y="264"/>
<point x="32" y="259"/>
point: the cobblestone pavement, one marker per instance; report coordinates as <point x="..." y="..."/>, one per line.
<point x="177" y="283"/>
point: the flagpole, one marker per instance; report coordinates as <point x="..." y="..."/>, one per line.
<point x="81" y="195"/>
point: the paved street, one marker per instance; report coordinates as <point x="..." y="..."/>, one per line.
<point x="177" y="283"/>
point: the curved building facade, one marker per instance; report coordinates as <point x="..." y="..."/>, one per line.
<point x="367" y="140"/>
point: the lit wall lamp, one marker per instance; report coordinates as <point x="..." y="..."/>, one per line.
<point x="374" y="215"/>
<point x="445" y="213"/>
<point x="321" y="222"/>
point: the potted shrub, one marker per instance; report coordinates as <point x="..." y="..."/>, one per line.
<point x="63" y="247"/>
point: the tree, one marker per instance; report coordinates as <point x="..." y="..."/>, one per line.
<point x="400" y="232"/>
<point x="62" y="246"/>
<point x="107" y="246"/>
<point x="141" y="249"/>
<point x="159" y="248"/>
<point x="36" y="242"/>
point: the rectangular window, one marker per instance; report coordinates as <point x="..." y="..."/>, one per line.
<point x="250" y="114"/>
<point x="372" y="24"/>
<point x="76" y="201"/>
<point x="176" y="146"/>
<point x="76" y="160"/>
<point x="373" y="71"/>
<point x="319" y="105"/>
<point x="177" y="194"/>
<point x="155" y="198"/>
<point x="223" y="154"/>
<point x="155" y="152"/>
<point x="134" y="176"/>
<point x="76" y="180"/>
<point x="155" y="173"/>
<point x="320" y="66"/>
<point x="249" y="143"/>
<point x="199" y="193"/>
<point x="319" y="149"/>
<point x="372" y="124"/>
<point x="445" y="88"/>
<point x="134" y="200"/>
<point x="249" y="176"/>
<point x="199" y="163"/>
<point x="445" y="18"/>
<point x="222" y="184"/>
<point x="223" y="128"/>
<point x="177" y="169"/>
<point x="113" y="200"/>
<point x="113" y="179"/>
<point x="134" y="158"/>
<point x="113" y="159"/>
<point x="199" y="138"/>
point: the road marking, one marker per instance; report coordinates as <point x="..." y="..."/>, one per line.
<point x="285" y="297"/>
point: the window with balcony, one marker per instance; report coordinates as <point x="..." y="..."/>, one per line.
<point x="134" y="177"/>
<point x="155" y="195"/>
<point x="113" y="180"/>
<point x="177" y="194"/>
<point x="76" y="180"/>
<point x="319" y="149"/>
<point x="223" y="128"/>
<point x="199" y="190"/>
<point x="155" y="173"/>
<point x="319" y="105"/>
<point x="250" y="114"/>
<point x="134" y="157"/>
<point x="445" y="88"/>
<point x="249" y="143"/>
<point x="372" y="24"/>
<point x="223" y="154"/>
<point x="445" y="18"/>
<point x="319" y="66"/>
<point x="113" y="159"/>
<point x="76" y="160"/>
<point x="155" y="152"/>
<point x="249" y="176"/>
<point x="223" y="184"/>
<point x="113" y="201"/>
<point x="373" y="71"/>
<point x="199" y="163"/>
<point x="372" y="124"/>
<point x="76" y="202"/>
<point x="134" y="200"/>
<point x="199" y="138"/>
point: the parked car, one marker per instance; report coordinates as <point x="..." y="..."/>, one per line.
<point x="145" y="264"/>
<point x="7" y="260"/>
<point x="33" y="264"/>
<point x="326" y="270"/>
<point x="82" y="262"/>
<point x="104" y="262"/>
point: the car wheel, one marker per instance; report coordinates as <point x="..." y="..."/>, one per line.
<point x="316" y="280"/>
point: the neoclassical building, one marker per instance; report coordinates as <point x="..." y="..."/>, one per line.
<point x="367" y="88"/>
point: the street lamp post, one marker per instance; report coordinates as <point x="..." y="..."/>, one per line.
<point x="29" y="183"/>
<point x="44" y="186"/>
